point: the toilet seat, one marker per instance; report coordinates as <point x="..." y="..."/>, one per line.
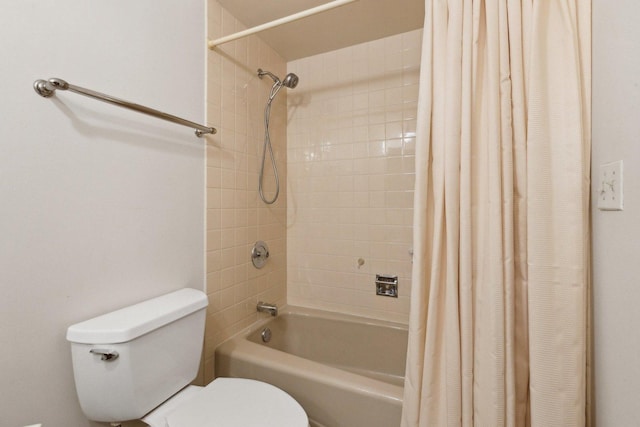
<point x="238" y="402"/>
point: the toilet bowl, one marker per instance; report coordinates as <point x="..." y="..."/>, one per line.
<point x="230" y="402"/>
<point x="136" y="363"/>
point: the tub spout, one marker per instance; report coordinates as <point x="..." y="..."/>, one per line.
<point x="265" y="307"/>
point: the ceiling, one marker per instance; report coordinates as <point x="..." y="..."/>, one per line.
<point x="354" y="23"/>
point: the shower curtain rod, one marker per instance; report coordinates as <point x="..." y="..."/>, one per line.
<point x="47" y="88"/>
<point x="314" y="10"/>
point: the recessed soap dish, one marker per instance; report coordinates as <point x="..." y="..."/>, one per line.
<point x="387" y="285"/>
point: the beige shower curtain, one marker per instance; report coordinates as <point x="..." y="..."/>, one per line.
<point x="498" y="327"/>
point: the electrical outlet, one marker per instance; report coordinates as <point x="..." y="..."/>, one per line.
<point x="610" y="194"/>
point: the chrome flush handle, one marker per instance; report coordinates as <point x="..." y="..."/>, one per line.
<point x="106" y="355"/>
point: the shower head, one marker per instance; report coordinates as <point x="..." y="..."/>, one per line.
<point x="290" y="80"/>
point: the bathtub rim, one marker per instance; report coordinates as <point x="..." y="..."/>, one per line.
<point x="324" y="314"/>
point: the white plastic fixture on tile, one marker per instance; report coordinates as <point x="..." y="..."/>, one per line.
<point x="610" y="190"/>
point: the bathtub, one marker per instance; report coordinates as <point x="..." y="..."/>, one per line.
<point x="345" y="371"/>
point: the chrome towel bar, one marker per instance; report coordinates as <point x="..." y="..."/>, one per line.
<point x="47" y="88"/>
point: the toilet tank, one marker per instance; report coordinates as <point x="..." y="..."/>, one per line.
<point x="127" y="362"/>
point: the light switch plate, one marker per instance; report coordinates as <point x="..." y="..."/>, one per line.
<point x="610" y="194"/>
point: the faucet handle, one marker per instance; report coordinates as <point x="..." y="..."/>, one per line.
<point x="259" y="254"/>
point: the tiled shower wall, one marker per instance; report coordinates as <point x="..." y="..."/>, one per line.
<point x="236" y="218"/>
<point x="351" y="139"/>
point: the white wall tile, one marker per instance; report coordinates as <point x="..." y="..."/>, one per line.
<point x="351" y="188"/>
<point x="235" y="216"/>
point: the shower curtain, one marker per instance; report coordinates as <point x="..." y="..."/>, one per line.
<point x="498" y="332"/>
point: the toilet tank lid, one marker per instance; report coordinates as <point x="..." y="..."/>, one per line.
<point x="131" y="322"/>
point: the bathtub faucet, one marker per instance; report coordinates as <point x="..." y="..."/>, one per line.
<point x="265" y="307"/>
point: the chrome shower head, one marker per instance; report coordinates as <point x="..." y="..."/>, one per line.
<point x="290" y="81"/>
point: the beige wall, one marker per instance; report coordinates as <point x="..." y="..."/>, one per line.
<point x="236" y="217"/>
<point x="351" y="138"/>
<point x="616" y="235"/>
<point x="100" y="207"/>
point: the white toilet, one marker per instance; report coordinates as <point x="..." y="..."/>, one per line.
<point x="136" y="364"/>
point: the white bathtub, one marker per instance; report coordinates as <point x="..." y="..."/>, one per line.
<point x="345" y="371"/>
